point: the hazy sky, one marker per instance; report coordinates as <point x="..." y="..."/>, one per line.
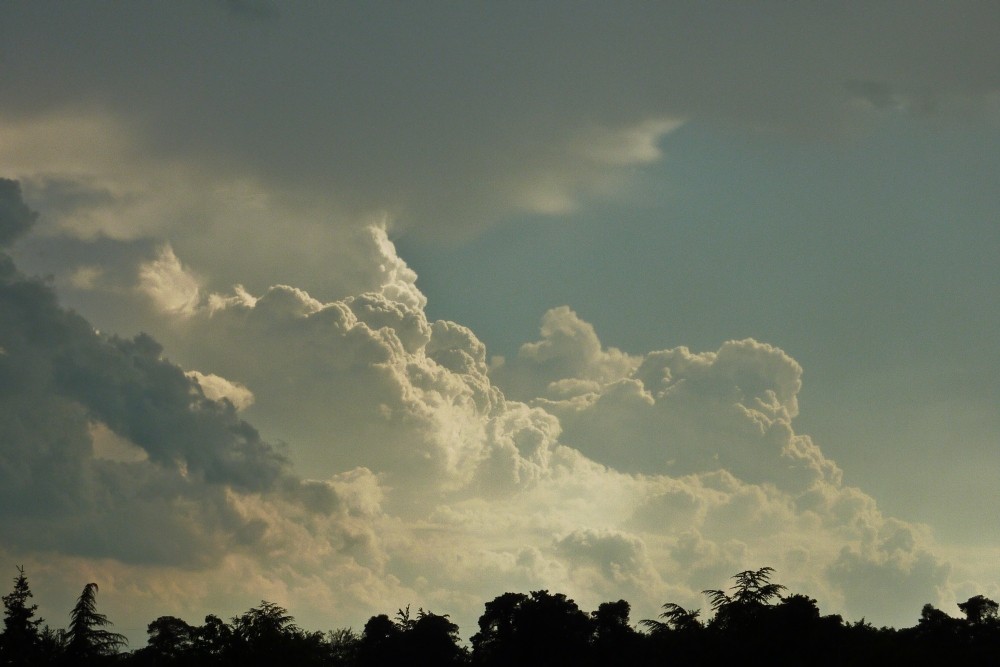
<point x="349" y="306"/>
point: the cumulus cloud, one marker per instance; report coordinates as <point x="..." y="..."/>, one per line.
<point x="671" y="410"/>
<point x="571" y="466"/>
<point x="568" y="358"/>
<point x="218" y="388"/>
<point x="168" y="284"/>
<point x="101" y="432"/>
<point x="889" y="578"/>
<point x="414" y="477"/>
<point x="606" y="561"/>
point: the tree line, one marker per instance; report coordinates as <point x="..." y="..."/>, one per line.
<point x="754" y="620"/>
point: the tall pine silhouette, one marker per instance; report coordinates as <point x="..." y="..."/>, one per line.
<point x="20" y="637"/>
<point x="88" y="640"/>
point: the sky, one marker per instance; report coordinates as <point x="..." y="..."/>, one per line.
<point x="350" y="306"/>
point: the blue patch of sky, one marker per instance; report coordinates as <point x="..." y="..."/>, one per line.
<point x="871" y="259"/>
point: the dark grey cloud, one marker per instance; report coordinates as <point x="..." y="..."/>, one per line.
<point x="383" y="104"/>
<point x="127" y="385"/>
<point x="59" y="381"/>
<point x="63" y="196"/>
<point x="15" y="216"/>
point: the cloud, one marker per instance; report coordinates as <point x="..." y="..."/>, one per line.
<point x="101" y="432"/>
<point x="218" y="388"/>
<point x="571" y="466"/>
<point x="331" y="119"/>
<point x="15" y="217"/>
<point x="171" y="288"/>
<point x="671" y="410"/>
<point x="410" y="475"/>
<point x="886" y="576"/>
<point x="367" y="110"/>
<point x="608" y="561"/>
<point x="568" y="357"/>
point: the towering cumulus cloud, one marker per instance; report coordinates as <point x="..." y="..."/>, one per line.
<point x="570" y="466"/>
<point x="444" y="481"/>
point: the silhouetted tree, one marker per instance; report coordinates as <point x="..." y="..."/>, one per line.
<point x="937" y="638"/>
<point x="614" y="640"/>
<point x="978" y="610"/>
<point x="20" y="639"/>
<point x="51" y="646"/>
<point x="543" y="629"/>
<point x="267" y="635"/>
<point x="171" y="641"/>
<point x="212" y="640"/>
<point x="427" y="639"/>
<point x="936" y="623"/>
<point x="983" y="628"/>
<point x="675" y="618"/>
<point x="677" y="632"/>
<point x="740" y="624"/>
<point x="433" y="640"/>
<point x="611" y="620"/>
<point x="802" y="635"/>
<point x="344" y="645"/>
<point x="380" y="643"/>
<point x="264" y="624"/>
<point x="87" y="640"/>
<point x="751" y="595"/>
<point x="862" y="643"/>
<point x="752" y="621"/>
<point x="494" y="643"/>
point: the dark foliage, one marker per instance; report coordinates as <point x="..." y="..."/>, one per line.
<point x="614" y="640"/>
<point x="20" y="642"/>
<point x="428" y="639"/>
<point x="752" y="621"/>
<point x="540" y="629"/>
<point x="88" y="642"/>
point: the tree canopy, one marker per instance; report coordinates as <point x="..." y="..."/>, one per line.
<point x="21" y="636"/>
<point x="87" y="639"/>
<point x="753" y="619"/>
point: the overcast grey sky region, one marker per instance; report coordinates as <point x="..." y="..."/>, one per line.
<point x="350" y="306"/>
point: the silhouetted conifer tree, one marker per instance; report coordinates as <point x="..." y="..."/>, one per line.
<point x="88" y="642"/>
<point x="20" y="639"/>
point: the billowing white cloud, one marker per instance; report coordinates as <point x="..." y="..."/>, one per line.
<point x="568" y="359"/>
<point x="171" y="288"/>
<point x="569" y="467"/>
<point x="219" y="388"/>
<point x="415" y="477"/>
